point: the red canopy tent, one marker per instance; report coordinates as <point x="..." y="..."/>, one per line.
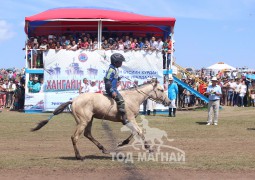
<point x="78" y="19"/>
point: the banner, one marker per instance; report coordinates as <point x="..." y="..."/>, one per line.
<point x="64" y="71"/>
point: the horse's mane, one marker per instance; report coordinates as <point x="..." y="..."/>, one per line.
<point x="138" y="86"/>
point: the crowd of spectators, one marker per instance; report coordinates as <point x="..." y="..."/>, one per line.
<point x="237" y="90"/>
<point x="12" y="88"/>
<point x="89" y="41"/>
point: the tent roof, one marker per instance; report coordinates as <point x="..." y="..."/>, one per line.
<point x="80" y="15"/>
<point x="88" y="13"/>
<point x="221" y="66"/>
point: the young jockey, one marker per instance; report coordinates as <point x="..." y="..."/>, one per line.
<point x="111" y="78"/>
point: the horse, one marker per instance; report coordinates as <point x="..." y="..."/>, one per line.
<point x="88" y="106"/>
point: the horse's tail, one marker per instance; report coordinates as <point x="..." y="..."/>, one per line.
<point x="57" y="111"/>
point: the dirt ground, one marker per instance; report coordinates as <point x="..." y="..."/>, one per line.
<point x="226" y="151"/>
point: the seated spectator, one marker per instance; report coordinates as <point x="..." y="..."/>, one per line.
<point x="44" y="45"/>
<point x="52" y="44"/>
<point x="127" y="43"/>
<point x="153" y="43"/>
<point x="84" y="44"/>
<point x="93" y="87"/>
<point x="36" y="86"/>
<point x="105" y="45"/>
<point x="121" y="44"/>
<point x="58" y="46"/>
<point x="94" y="46"/>
<point x="73" y="47"/>
<point x="147" y="45"/>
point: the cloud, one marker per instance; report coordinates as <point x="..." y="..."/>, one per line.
<point x="6" y="31"/>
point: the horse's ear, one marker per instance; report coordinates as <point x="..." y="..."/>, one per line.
<point x="155" y="81"/>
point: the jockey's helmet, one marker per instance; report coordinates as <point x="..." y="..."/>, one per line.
<point x="117" y="57"/>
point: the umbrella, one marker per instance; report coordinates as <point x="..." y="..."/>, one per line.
<point x="221" y="66"/>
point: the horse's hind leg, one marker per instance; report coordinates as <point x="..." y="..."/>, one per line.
<point x="80" y="127"/>
<point x="87" y="134"/>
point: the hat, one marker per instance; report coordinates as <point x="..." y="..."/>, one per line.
<point x="170" y="78"/>
<point x="214" y="79"/>
<point x="135" y="80"/>
<point x="148" y="79"/>
<point x="36" y="78"/>
<point x="93" y="80"/>
<point x="45" y="40"/>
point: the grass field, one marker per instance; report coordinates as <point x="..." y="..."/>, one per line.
<point x="228" y="147"/>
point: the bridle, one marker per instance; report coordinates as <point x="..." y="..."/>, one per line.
<point x="147" y="96"/>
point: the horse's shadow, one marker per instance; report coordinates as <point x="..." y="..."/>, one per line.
<point x="92" y="157"/>
<point x="251" y="129"/>
<point x="201" y="123"/>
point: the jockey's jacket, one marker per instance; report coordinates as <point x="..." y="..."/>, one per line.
<point x="111" y="78"/>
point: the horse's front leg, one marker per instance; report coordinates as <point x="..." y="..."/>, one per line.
<point x="126" y="141"/>
<point x="139" y="133"/>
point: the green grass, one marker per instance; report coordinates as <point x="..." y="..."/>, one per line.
<point x="228" y="146"/>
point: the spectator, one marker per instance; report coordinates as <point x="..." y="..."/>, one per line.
<point x="36" y="86"/>
<point x="84" y="87"/>
<point x="231" y="88"/>
<point x="243" y="90"/>
<point x="44" y="45"/>
<point x="2" y="94"/>
<point x="106" y="45"/>
<point x="172" y="95"/>
<point x="214" y="93"/>
<point x="93" y="87"/>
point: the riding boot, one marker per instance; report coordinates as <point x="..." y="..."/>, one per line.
<point x="170" y="112"/>
<point x="154" y="112"/>
<point x="128" y="124"/>
<point x="148" y="112"/>
<point x="174" y="111"/>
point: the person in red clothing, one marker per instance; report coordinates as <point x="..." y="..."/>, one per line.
<point x="169" y="51"/>
<point x="202" y="89"/>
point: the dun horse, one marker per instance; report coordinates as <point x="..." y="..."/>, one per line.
<point x="93" y="105"/>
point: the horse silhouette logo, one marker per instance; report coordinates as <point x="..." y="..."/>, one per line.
<point x="154" y="136"/>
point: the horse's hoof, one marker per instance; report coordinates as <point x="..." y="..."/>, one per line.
<point x="120" y="144"/>
<point x="105" y="151"/>
<point x="151" y="151"/>
<point x="79" y="158"/>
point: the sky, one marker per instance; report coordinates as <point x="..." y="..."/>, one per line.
<point x="206" y="31"/>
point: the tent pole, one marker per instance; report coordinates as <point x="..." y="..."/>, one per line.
<point x="99" y="34"/>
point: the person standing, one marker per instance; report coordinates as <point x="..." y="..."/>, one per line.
<point x="214" y="93"/>
<point x="172" y="95"/>
<point x="243" y="90"/>
<point x="93" y="87"/>
<point x="84" y="88"/>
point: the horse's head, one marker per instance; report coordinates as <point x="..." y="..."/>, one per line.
<point x="158" y="94"/>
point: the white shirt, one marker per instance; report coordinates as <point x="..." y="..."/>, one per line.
<point x="232" y="86"/>
<point x="243" y="89"/>
<point x="237" y="89"/>
<point x="85" y="88"/>
<point x="160" y="45"/>
<point x="93" y="89"/>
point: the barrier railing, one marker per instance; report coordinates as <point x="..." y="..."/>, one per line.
<point x="189" y="74"/>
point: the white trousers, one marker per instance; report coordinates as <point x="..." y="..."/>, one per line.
<point x="172" y="105"/>
<point x="213" y="108"/>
